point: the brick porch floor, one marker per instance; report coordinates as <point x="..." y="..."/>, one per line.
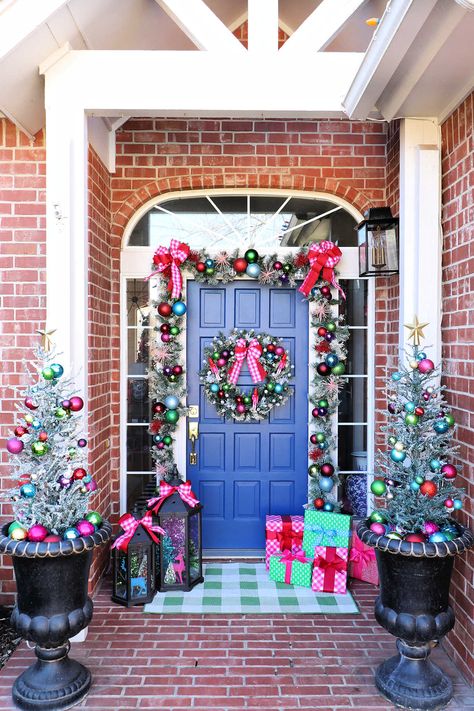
<point x="233" y="662"/>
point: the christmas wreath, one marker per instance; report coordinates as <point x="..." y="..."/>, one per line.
<point x="269" y="367"/>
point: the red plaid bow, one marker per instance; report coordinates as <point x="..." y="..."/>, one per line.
<point x="323" y="257"/>
<point x="171" y="260"/>
<point x="252" y="352"/>
<point x="129" y="525"/>
<point x="285" y="538"/>
<point x="184" y="490"/>
<point x="331" y="564"/>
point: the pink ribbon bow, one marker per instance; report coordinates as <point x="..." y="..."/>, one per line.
<point x="129" y="524"/>
<point x="252" y="352"/>
<point x="184" y="490"/>
<point x="287" y="558"/>
<point x="362" y="556"/>
<point x="171" y="259"/>
<point x="323" y="257"/>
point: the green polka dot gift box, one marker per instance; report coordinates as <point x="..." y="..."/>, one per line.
<point x="322" y="528"/>
<point x="291" y="568"/>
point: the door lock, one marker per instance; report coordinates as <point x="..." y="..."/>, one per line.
<point x="193" y="433"/>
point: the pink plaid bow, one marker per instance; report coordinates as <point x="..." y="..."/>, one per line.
<point x="171" y="259"/>
<point x="362" y="556"/>
<point x="252" y="352"/>
<point x="323" y="257"/>
<point x="184" y="490"/>
<point x="287" y="558"/>
<point x="129" y="524"/>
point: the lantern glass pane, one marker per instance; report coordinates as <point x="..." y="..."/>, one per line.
<point x="175" y="527"/>
<point x="139" y="573"/>
<point x="194" y="557"/>
<point x="362" y="239"/>
<point x="121" y="575"/>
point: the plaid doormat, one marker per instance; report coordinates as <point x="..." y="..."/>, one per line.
<point x="245" y="588"/>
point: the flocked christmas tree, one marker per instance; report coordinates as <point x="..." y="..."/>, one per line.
<point x="47" y="458"/>
<point x="419" y="490"/>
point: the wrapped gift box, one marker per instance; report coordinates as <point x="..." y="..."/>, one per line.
<point x="330" y="570"/>
<point x="362" y="561"/>
<point x="291" y="568"/>
<point x="322" y="528"/>
<point x="283" y="533"/>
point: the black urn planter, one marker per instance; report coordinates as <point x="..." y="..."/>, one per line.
<point x="413" y="605"/>
<point x="52" y="606"/>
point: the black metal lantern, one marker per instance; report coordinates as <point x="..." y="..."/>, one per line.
<point x="179" y="555"/>
<point x="134" y="567"/>
<point x="378" y="243"/>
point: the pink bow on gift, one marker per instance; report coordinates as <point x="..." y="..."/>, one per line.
<point x="252" y="352"/>
<point x="129" y="524"/>
<point x="287" y="558"/>
<point x="362" y="556"/>
<point x="172" y="259"/>
<point x="323" y="257"/>
<point x="184" y="490"/>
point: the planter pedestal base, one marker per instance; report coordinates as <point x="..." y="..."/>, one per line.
<point x="411" y="680"/>
<point x="53" y="682"/>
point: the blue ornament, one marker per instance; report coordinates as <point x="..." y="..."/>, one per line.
<point x="421" y="356"/>
<point x="214" y="388"/>
<point x="396" y="376"/>
<point x="269" y="356"/>
<point x="171" y="402"/>
<point x="435" y="464"/>
<point x="397" y="456"/>
<point x="27" y="491"/>
<point x="440" y="426"/>
<point x="457" y="503"/>
<point x="57" y="369"/>
<point x="253" y="270"/>
<point x="326" y="484"/>
<point x="156" y="439"/>
<point x="87" y="479"/>
<point x="328" y="506"/>
<point x="322" y="445"/>
<point x="179" y="308"/>
<point x="437" y="537"/>
<point x="332" y="360"/>
<point x="414" y="486"/>
<point x="70" y="534"/>
<point x="278" y="388"/>
<point x="410" y="407"/>
<point x="36" y="424"/>
<point x="209" y="263"/>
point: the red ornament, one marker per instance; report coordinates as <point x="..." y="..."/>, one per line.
<point x="419" y="411"/>
<point x="327" y="469"/>
<point x="326" y="292"/>
<point x="79" y="473"/>
<point x="315" y="454"/>
<point x="221" y="394"/>
<point x="31" y="404"/>
<point x="201" y="267"/>
<point x="322" y="331"/>
<point x="277" y="266"/>
<point x="155" y="426"/>
<point x="193" y="256"/>
<point x="43" y="436"/>
<point x="301" y="260"/>
<point x="177" y="369"/>
<point x="323" y="369"/>
<point x="76" y="403"/>
<point x="448" y="471"/>
<point x="426" y="365"/>
<point x="240" y="265"/>
<point x="322" y="347"/>
<point x="315" y="412"/>
<point x="318" y="503"/>
<point x="313" y="439"/>
<point x="428" y="488"/>
<point x="164" y="328"/>
<point x="415" y="538"/>
<point x="52" y="538"/>
<point x="164" y="309"/>
<point x="271" y="348"/>
<point x="159" y="408"/>
<point x="20" y="431"/>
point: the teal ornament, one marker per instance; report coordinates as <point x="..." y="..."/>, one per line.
<point x="450" y="528"/>
<point x="28" y="491"/>
<point x="253" y="270"/>
<point x="437" y="537"/>
<point x="36" y="424"/>
<point x="419" y="479"/>
<point x="156" y="439"/>
<point x="410" y="407"/>
<point x="457" y="503"/>
<point x="322" y="445"/>
<point x="209" y="263"/>
<point x="332" y="360"/>
<point x="328" y="506"/>
<point x="70" y="534"/>
<point x="421" y="356"/>
<point x="440" y="426"/>
<point x="179" y="308"/>
<point x="396" y="376"/>
<point x="414" y="486"/>
<point x="435" y="464"/>
<point x="269" y="356"/>
<point x="171" y="402"/>
<point x="87" y="479"/>
<point x="278" y="388"/>
<point x="214" y="388"/>
<point x="326" y="484"/>
<point x="57" y="369"/>
<point x="397" y="456"/>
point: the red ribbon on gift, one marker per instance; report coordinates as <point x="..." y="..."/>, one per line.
<point x="287" y="558"/>
<point x="252" y="351"/>
<point x="286" y="537"/>
<point x="323" y="257"/>
<point x="169" y="261"/>
<point x="129" y="524"/>
<point x="331" y="564"/>
<point x="184" y="490"/>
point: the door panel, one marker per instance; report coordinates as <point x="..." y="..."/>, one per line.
<point x="247" y="470"/>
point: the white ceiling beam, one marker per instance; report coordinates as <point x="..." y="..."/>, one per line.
<point x="321" y="26"/>
<point x="23" y="17"/>
<point x="400" y="24"/>
<point x="201" y="25"/>
<point x="263" y="26"/>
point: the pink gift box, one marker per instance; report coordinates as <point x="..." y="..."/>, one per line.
<point x="362" y="561"/>
<point x="330" y="570"/>
<point x="280" y="535"/>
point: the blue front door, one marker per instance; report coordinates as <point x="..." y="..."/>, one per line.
<point x="247" y="470"/>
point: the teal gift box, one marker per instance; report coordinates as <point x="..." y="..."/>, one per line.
<point x="291" y="568"/>
<point x="322" y="528"/>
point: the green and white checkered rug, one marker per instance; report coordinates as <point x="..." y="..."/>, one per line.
<point x="245" y="588"/>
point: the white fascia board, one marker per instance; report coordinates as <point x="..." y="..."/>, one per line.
<point x="23" y="17"/>
<point x="263" y="26"/>
<point x="398" y="28"/>
<point x="105" y="82"/>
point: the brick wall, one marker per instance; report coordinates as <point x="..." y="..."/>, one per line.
<point x="458" y="346"/>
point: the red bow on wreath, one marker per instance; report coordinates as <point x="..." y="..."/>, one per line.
<point x="252" y="352"/>
<point x="169" y="261"/>
<point x="323" y="257"/>
<point x="129" y="524"/>
<point x="184" y="490"/>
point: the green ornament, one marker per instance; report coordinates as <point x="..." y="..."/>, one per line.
<point x="247" y="400"/>
<point x="392" y="440"/>
<point x="411" y="419"/>
<point x="167" y="440"/>
<point x="60" y="413"/>
<point x="226" y="387"/>
<point x="250" y="256"/>
<point x="287" y="268"/>
<point x="378" y="487"/>
<point x="323" y="403"/>
<point x="94" y="517"/>
<point x="174" y="330"/>
<point x="449" y="535"/>
<point x="449" y="419"/>
<point x="39" y="448"/>
<point x="377" y="517"/>
<point x="48" y="373"/>
<point x="331" y="326"/>
<point x="13" y="526"/>
<point x="320" y="437"/>
<point x="71" y="452"/>
<point x="313" y="470"/>
<point x="338" y="369"/>
<point x="172" y="378"/>
<point x="210" y="271"/>
<point x="419" y="479"/>
<point x="271" y="386"/>
<point x="172" y="416"/>
<point x="216" y="355"/>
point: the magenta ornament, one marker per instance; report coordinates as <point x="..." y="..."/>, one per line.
<point x="14" y="445"/>
<point x="165" y="337"/>
<point x="378" y="528"/>
<point x="240" y="408"/>
<point x="425" y="366"/>
<point x="31" y="404"/>
<point x="66" y="404"/>
<point x="91" y="486"/>
<point x="37" y="533"/>
<point x="85" y="528"/>
<point x="76" y="403"/>
<point x="449" y="471"/>
<point x="429" y="528"/>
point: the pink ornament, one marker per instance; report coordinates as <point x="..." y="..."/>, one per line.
<point x="426" y="396"/>
<point x="426" y="365"/>
<point x="160" y="445"/>
<point x="14" y="445"/>
<point x="91" y="486"/>
<point x="165" y="337"/>
<point x="279" y="350"/>
<point x="378" y="528"/>
<point x="240" y="408"/>
<point x="85" y="528"/>
<point x="448" y="471"/>
<point x="76" y="403"/>
<point x="37" y="533"/>
<point x="52" y="538"/>
<point x="429" y="528"/>
<point x="221" y="362"/>
<point x="449" y="503"/>
<point x="415" y="538"/>
<point x="66" y="404"/>
<point x="30" y="403"/>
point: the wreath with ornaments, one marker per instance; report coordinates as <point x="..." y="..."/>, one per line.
<point x="269" y="368"/>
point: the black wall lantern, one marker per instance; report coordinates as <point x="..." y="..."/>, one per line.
<point x="179" y="556"/>
<point x="378" y="243"/>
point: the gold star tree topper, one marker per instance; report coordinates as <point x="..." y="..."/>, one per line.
<point x="46" y="340"/>
<point x="416" y="330"/>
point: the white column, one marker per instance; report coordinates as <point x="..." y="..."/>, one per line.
<point x="420" y="230"/>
